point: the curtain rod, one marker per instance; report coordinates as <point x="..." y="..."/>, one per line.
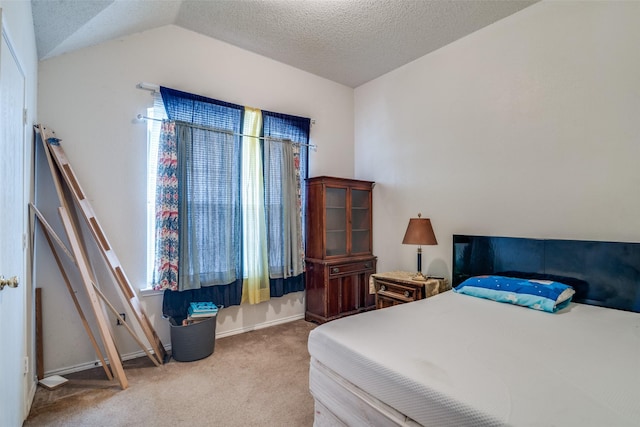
<point x="153" y="88"/>
<point x="148" y="86"/>
<point x="228" y="132"/>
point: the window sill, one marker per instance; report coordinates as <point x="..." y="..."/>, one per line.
<point x="149" y="292"/>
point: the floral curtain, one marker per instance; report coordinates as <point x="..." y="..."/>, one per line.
<point x="165" y="271"/>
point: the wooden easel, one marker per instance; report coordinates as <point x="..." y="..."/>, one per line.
<point x="50" y="234"/>
<point x="60" y="167"/>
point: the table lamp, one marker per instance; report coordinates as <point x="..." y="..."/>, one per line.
<point x="419" y="232"/>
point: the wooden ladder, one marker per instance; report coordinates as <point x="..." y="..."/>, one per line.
<point x="54" y="151"/>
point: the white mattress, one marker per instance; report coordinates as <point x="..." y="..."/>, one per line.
<point x="456" y="360"/>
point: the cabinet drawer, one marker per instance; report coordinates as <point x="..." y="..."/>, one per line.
<point x="353" y="267"/>
<point x="396" y="290"/>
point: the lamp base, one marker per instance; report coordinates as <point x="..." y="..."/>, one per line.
<point x="419" y="276"/>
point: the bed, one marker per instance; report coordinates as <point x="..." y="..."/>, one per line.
<point x="458" y="360"/>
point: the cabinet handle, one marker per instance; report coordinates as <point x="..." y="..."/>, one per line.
<point x="383" y="288"/>
<point x="335" y="270"/>
<point x="367" y="265"/>
<point x="406" y="294"/>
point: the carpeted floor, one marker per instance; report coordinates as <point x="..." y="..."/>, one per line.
<point x="258" y="378"/>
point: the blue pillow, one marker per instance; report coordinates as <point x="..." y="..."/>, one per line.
<point x="544" y="295"/>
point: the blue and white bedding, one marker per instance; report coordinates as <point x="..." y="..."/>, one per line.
<point x="543" y="295"/>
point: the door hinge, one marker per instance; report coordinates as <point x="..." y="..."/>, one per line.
<point x="24" y="241"/>
<point x="24" y="116"/>
<point x="26" y="365"/>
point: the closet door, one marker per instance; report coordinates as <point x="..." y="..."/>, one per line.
<point x="13" y="324"/>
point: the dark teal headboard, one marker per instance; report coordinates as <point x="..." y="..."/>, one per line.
<point x="602" y="273"/>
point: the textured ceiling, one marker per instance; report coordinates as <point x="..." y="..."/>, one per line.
<point x="347" y="41"/>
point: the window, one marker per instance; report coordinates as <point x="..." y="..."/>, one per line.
<point x="213" y="214"/>
<point x="155" y="114"/>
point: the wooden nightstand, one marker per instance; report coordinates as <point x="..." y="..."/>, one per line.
<point x="397" y="287"/>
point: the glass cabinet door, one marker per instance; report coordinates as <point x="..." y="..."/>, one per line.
<point x="360" y="221"/>
<point x="336" y="217"/>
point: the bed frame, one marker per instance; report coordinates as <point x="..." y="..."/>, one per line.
<point x="476" y="362"/>
<point x="605" y="274"/>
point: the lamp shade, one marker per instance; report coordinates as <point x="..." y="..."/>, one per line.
<point x="419" y="232"/>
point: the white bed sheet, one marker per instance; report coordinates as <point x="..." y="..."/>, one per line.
<point x="456" y="360"/>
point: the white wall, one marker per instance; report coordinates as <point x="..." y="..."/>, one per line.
<point x="89" y="98"/>
<point x="18" y="23"/>
<point x="529" y="127"/>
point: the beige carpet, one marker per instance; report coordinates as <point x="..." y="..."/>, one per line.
<point x="258" y="378"/>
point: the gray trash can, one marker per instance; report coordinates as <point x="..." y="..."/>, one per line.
<point x="194" y="341"/>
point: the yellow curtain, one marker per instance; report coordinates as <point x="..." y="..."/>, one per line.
<point x="255" y="287"/>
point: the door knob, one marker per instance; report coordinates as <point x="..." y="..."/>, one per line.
<point x="12" y="282"/>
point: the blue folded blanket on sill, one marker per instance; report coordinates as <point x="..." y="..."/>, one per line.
<point x="543" y="295"/>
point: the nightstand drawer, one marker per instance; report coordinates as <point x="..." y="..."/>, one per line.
<point x="393" y="297"/>
<point x="399" y="287"/>
<point x="401" y="292"/>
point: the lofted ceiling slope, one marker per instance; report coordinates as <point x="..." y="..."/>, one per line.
<point x="347" y="41"/>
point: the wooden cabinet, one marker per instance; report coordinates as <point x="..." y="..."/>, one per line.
<point x="338" y="218"/>
<point x="338" y="288"/>
<point x="339" y="258"/>
<point x="397" y="287"/>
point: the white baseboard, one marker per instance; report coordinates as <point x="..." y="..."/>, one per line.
<point x="33" y="385"/>
<point x="260" y="326"/>
<point x="141" y="353"/>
